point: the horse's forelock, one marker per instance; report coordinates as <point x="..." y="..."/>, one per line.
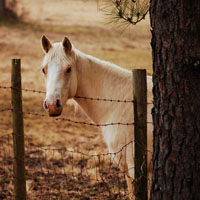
<point x="57" y="53"/>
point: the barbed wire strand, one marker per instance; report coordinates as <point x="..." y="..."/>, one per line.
<point x="23" y="89"/>
<point x="77" y="122"/>
<point x="47" y="148"/>
<point x="79" y="97"/>
<point x="73" y="121"/>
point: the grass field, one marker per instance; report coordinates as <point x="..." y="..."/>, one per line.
<point x="87" y="27"/>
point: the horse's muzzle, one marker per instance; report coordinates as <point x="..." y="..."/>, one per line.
<point x="55" y="114"/>
<point x="54" y="109"/>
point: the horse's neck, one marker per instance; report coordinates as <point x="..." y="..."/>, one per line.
<point x="100" y="79"/>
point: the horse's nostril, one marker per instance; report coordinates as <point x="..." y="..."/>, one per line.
<point x="58" y="104"/>
<point x="45" y="105"/>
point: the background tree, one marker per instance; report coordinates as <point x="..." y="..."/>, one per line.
<point x="8" y="9"/>
<point x="176" y="78"/>
<point x="176" y="116"/>
<point x="2" y="8"/>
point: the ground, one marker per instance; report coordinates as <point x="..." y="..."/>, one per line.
<point x="87" y="26"/>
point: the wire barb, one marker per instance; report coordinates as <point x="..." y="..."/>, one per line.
<point x="103" y="99"/>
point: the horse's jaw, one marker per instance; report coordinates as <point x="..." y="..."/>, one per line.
<point x="55" y="114"/>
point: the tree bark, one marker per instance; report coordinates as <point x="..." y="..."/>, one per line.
<point x="176" y="113"/>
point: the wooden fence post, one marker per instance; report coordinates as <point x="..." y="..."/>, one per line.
<point x="140" y="133"/>
<point x="18" y="132"/>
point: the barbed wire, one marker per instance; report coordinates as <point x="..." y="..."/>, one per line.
<point x="77" y="122"/>
<point x="73" y="121"/>
<point x="5" y="109"/>
<point x="47" y="148"/>
<point x="86" y="154"/>
<point x="23" y="89"/>
<point x="79" y="97"/>
<point x="103" y="99"/>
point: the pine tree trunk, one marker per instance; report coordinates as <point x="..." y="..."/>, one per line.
<point x="176" y="113"/>
<point x="2" y="8"/>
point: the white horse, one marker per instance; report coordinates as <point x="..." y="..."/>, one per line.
<point x="70" y="73"/>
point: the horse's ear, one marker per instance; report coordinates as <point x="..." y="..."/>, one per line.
<point x="46" y="44"/>
<point x="67" y="45"/>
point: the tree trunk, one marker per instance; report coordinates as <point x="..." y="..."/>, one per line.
<point x="2" y="8"/>
<point x="176" y="112"/>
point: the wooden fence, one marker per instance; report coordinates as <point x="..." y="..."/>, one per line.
<point x="140" y="128"/>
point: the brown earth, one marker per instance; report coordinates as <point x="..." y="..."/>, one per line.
<point x="87" y="27"/>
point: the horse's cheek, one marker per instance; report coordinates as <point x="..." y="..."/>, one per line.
<point x="74" y="85"/>
<point x="70" y="87"/>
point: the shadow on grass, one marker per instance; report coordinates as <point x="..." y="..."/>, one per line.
<point x="11" y="20"/>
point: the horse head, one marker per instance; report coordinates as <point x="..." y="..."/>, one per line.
<point x="59" y="68"/>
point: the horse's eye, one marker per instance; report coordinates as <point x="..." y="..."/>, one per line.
<point x="43" y="70"/>
<point x="69" y="70"/>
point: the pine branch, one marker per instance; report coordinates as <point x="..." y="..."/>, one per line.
<point x="129" y="11"/>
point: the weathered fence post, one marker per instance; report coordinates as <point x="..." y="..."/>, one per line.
<point x="18" y="132"/>
<point x="140" y="130"/>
